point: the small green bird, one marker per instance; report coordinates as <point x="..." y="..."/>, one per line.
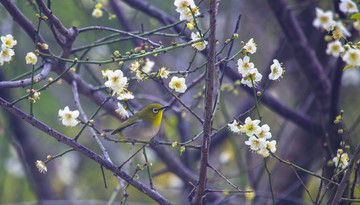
<point x="143" y="125"/>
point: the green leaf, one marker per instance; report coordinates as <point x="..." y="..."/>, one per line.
<point x="355" y="16"/>
<point x="348" y="66"/>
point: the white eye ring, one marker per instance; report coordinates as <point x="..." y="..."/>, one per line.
<point x="155" y="110"/>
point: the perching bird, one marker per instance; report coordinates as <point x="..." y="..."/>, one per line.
<point x="143" y="125"/>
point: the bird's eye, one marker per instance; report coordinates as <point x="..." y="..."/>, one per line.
<point x="155" y="110"/>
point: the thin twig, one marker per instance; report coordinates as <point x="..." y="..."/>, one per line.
<point x="228" y="181"/>
<point x="302" y="183"/>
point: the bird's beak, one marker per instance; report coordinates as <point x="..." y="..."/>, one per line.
<point x="164" y="108"/>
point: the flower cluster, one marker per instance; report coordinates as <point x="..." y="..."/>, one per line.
<point x="250" y="74"/>
<point x="247" y="68"/>
<point x="7" y="51"/>
<point x="258" y="136"/>
<point x="146" y="68"/>
<point x="349" y="52"/>
<point x="341" y="159"/>
<point x="201" y="45"/>
<point x="187" y="9"/>
<point x="117" y="83"/>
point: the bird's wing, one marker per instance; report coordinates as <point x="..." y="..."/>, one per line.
<point x="124" y="125"/>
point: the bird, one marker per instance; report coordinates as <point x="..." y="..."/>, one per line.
<point x="143" y="125"/>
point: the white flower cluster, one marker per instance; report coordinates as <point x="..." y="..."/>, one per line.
<point x="135" y="67"/>
<point x="187" y="9"/>
<point x="247" y="68"/>
<point x="325" y="20"/>
<point x="7" y="52"/>
<point x="258" y="136"/>
<point x="341" y="159"/>
<point x="249" y="72"/>
<point x="117" y="83"/>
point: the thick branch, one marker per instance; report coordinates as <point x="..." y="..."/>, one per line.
<point x="54" y="20"/>
<point x="304" y="55"/>
<point x="209" y="88"/>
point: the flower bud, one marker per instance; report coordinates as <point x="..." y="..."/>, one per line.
<point x="117" y="53"/>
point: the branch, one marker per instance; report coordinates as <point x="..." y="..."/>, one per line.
<point x="209" y="88"/>
<point x="303" y="53"/>
<point x="345" y="181"/>
<point x="25" y="82"/>
<point x="85" y="151"/>
<point x="55" y="20"/>
<point x="101" y="28"/>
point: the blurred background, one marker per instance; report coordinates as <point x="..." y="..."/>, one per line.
<point x="74" y="179"/>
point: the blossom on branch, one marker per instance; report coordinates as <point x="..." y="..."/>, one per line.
<point x="41" y="166"/>
<point x="126" y="95"/>
<point x="122" y="111"/>
<point x="276" y="70"/>
<point x="187" y="9"/>
<point x="201" y="45"/>
<point x="8" y="41"/>
<point x="335" y="48"/>
<point x="148" y="66"/>
<point x="341" y="159"/>
<point x="352" y="57"/>
<point x="348" y="6"/>
<point x="178" y="84"/>
<point x="254" y="75"/>
<point x="115" y="81"/>
<point x="324" y="20"/>
<point x="250" y="46"/>
<point x="31" y="58"/>
<point x="163" y="73"/>
<point x="68" y="117"/>
<point x="251" y="127"/>
<point x="235" y="127"/>
<point x="245" y="66"/>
